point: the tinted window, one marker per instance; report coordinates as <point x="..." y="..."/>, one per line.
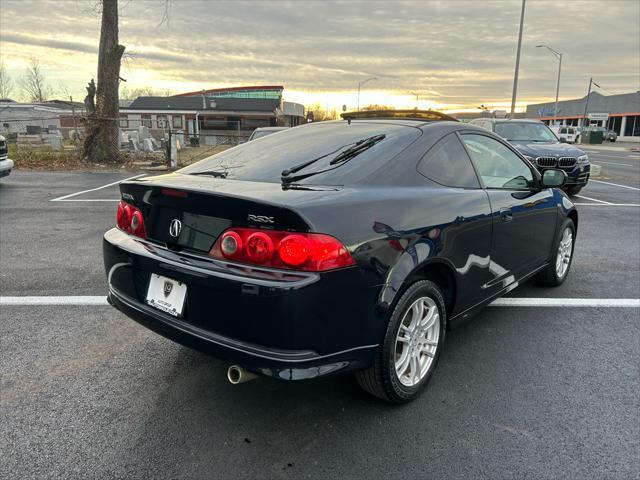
<point x="265" y="160"/>
<point x="498" y="166"/>
<point x="448" y="164"/>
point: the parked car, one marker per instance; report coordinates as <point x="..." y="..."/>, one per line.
<point x="264" y="131"/>
<point x="6" y="164"/>
<point x="607" y="134"/>
<point x="565" y="133"/>
<point x="340" y="246"/>
<point x="540" y="146"/>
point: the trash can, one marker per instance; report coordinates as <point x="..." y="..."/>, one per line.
<point x="591" y="136"/>
<point x="195" y="141"/>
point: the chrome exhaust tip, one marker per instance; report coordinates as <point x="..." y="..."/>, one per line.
<point x="236" y="374"/>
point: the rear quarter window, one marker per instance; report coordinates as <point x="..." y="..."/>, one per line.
<point x="447" y="163"/>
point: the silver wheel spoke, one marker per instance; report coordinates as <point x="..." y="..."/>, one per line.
<point x="416" y="311"/>
<point x="432" y="321"/>
<point x="427" y="351"/>
<point x="415" y="370"/>
<point x="403" y="363"/>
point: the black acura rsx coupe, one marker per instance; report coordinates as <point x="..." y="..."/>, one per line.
<point x="341" y="246"/>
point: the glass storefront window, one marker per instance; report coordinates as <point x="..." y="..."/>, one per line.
<point x="632" y="128"/>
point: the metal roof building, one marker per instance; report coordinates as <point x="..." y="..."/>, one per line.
<point x="620" y="113"/>
<point x="237" y="109"/>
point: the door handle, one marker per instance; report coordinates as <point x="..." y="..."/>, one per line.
<point x="506" y="215"/>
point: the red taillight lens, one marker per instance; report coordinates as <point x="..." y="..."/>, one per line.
<point x="313" y="252"/>
<point x="294" y="250"/>
<point x="259" y="247"/>
<point x="130" y="219"/>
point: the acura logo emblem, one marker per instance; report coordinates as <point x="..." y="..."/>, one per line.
<point x="175" y="227"/>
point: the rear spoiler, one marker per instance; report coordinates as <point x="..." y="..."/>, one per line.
<point x="422" y="115"/>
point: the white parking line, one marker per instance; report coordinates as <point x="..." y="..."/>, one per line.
<point x="65" y="197"/>
<point x="500" y="302"/>
<point x="87" y="200"/>
<point x="84" y="300"/>
<point x="594" y="199"/>
<point x="616" y="185"/>
<point x="566" y="302"/>
<point x="607" y="204"/>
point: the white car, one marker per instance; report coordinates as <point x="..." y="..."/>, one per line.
<point x="567" y="133"/>
<point x="6" y="164"/>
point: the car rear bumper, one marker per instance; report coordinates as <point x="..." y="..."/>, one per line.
<point x="289" y="326"/>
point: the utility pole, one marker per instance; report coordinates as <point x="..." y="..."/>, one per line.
<point x="586" y="104"/>
<point x="515" y="75"/>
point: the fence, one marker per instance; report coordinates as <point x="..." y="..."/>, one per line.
<point x="135" y="144"/>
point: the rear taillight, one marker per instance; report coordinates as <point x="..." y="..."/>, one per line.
<point x="313" y="252"/>
<point x="130" y="220"/>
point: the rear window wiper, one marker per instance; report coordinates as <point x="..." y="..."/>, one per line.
<point x="345" y="155"/>
<point x="358" y="148"/>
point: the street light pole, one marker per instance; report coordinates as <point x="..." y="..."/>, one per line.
<point x="515" y="75"/>
<point x="558" y="55"/>
<point x="360" y="85"/>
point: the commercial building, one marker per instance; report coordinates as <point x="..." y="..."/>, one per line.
<point x="230" y="111"/>
<point x="620" y="113"/>
<point x="18" y="117"/>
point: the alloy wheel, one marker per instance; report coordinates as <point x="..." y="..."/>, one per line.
<point x="565" y="249"/>
<point x="417" y="341"/>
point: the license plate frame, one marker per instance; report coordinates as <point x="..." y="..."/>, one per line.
<point x="166" y="294"/>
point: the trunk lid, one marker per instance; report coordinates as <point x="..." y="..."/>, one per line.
<point x="205" y="207"/>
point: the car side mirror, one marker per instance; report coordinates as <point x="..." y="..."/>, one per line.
<point x="553" y="178"/>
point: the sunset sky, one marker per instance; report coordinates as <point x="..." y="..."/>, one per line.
<point x="455" y="54"/>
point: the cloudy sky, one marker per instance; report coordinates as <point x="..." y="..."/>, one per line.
<point x="455" y="54"/>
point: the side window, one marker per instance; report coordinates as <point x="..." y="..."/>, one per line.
<point x="448" y="164"/>
<point x="498" y="166"/>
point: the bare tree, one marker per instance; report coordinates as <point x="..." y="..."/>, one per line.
<point x="34" y="84"/>
<point x="132" y="94"/>
<point x="6" y="83"/>
<point x="101" y="141"/>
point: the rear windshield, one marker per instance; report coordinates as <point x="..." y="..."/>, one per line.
<point x="265" y="159"/>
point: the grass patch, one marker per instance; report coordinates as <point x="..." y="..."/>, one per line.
<point x="44" y="158"/>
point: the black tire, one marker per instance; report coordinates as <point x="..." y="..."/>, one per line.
<point x="572" y="191"/>
<point x="381" y="379"/>
<point x="549" y="276"/>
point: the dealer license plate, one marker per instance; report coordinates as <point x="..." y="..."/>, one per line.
<point x="166" y="294"/>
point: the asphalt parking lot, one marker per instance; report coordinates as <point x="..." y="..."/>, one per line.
<point x="521" y="391"/>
